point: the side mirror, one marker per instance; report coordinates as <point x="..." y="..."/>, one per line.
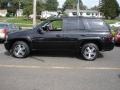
<point x="40" y="31"/>
<point x="45" y="28"/>
<point x="20" y="28"/>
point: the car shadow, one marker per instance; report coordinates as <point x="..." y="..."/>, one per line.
<point x="36" y="54"/>
<point x="117" y="45"/>
<point x="37" y="59"/>
<point x="60" y="54"/>
<point x="7" y="53"/>
<point x="119" y="76"/>
<point x="100" y="55"/>
<point x="53" y="54"/>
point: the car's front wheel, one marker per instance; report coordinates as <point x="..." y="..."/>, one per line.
<point x="89" y="51"/>
<point x="20" y="49"/>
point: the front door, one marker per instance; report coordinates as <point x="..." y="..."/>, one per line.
<point x="52" y="38"/>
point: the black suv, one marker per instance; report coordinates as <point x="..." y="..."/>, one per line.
<point x="86" y="35"/>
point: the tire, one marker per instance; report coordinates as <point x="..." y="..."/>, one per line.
<point x="20" y="49"/>
<point x="89" y="51"/>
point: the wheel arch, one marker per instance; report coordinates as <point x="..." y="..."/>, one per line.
<point x="97" y="42"/>
<point x="19" y="39"/>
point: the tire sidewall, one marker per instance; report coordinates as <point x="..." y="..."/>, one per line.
<point x="89" y="45"/>
<point x="27" y="50"/>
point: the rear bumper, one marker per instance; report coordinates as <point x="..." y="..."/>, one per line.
<point x="117" y="40"/>
<point x="108" y="46"/>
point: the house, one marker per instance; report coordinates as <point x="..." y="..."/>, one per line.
<point x="3" y="12"/>
<point x="85" y="13"/>
<point x="47" y="14"/>
<point x="19" y="13"/>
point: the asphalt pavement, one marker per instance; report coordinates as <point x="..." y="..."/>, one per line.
<point x="63" y="71"/>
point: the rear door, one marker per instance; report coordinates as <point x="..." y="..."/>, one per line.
<point x="73" y="32"/>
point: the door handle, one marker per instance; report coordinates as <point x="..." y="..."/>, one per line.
<point x="58" y="35"/>
<point x="83" y="35"/>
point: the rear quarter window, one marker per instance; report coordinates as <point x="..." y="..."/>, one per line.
<point x="95" y="24"/>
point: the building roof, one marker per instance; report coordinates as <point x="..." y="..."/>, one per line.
<point x="73" y="10"/>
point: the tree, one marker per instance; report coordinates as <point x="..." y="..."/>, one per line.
<point x="3" y="4"/>
<point x="95" y="8"/>
<point x="110" y="8"/>
<point x="72" y="4"/>
<point x="51" y="5"/>
<point x="28" y="7"/>
<point x="40" y="6"/>
<point x="10" y="5"/>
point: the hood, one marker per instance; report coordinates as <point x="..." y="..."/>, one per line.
<point x="20" y="34"/>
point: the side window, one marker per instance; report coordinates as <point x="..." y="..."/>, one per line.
<point x="95" y="24"/>
<point x="57" y="25"/>
<point x="54" y="25"/>
<point x="73" y="24"/>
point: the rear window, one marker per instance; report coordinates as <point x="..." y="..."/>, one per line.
<point x="95" y="24"/>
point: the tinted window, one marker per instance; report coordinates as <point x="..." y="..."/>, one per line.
<point x="55" y="25"/>
<point x="95" y="24"/>
<point x="73" y="24"/>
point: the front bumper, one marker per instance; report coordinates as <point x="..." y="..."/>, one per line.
<point x="7" y="45"/>
<point x="2" y="40"/>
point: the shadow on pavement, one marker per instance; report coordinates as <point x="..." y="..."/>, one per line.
<point x="53" y="54"/>
<point x="38" y="59"/>
<point x="117" y="45"/>
<point x="119" y="76"/>
<point x="36" y="54"/>
<point x="100" y="55"/>
<point x="59" y="54"/>
<point x="7" y="53"/>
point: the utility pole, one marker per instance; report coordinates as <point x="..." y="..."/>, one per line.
<point x="19" y="5"/>
<point x="78" y="7"/>
<point x="34" y="12"/>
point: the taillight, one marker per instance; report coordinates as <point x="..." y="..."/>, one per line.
<point x="109" y="38"/>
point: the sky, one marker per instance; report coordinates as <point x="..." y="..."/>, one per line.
<point x="88" y="3"/>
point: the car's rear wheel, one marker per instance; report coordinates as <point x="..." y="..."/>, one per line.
<point x="89" y="51"/>
<point x="20" y="49"/>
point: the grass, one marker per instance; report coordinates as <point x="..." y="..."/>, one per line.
<point x="112" y="21"/>
<point x="114" y="29"/>
<point x="57" y="24"/>
<point x="19" y="20"/>
<point x="23" y="22"/>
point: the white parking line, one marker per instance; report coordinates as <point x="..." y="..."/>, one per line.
<point x="58" y="68"/>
